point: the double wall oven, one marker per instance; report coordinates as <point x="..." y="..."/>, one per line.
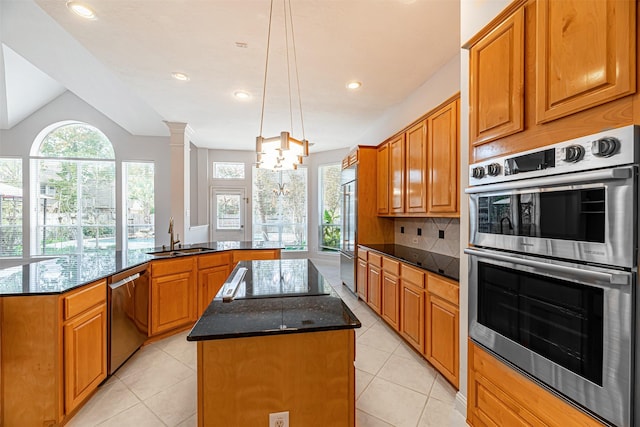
<point x="553" y="268"/>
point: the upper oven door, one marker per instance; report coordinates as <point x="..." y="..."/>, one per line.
<point x="585" y="216"/>
<point x="568" y="325"/>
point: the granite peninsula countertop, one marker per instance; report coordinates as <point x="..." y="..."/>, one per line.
<point x="59" y="274"/>
<point x="275" y="297"/>
<point x="430" y="261"/>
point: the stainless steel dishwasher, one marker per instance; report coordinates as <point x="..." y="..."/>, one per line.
<point x="128" y="314"/>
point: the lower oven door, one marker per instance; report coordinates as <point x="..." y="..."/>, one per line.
<point x="569" y="326"/>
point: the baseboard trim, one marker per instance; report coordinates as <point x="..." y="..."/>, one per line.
<point x="461" y="404"/>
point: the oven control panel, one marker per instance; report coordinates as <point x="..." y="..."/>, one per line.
<point x="611" y="148"/>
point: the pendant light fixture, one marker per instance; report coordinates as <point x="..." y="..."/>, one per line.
<point x="282" y="152"/>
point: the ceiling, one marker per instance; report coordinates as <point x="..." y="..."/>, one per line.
<point x="121" y="63"/>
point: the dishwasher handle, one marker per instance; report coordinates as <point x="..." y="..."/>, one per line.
<point x="124" y="281"/>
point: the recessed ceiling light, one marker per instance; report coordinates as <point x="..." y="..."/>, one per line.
<point x="180" y="76"/>
<point x="354" y="85"/>
<point x="241" y="94"/>
<point x="81" y="10"/>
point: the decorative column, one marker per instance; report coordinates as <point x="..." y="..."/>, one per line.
<point x="179" y="189"/>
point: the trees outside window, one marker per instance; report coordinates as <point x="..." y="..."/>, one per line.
<point x="280" y="207"/>
<point x="330" y="206"/>
<point x="10" y="207"/>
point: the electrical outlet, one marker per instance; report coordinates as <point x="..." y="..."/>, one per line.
<point x="441" y="234"/>
<point x="419" y="231"/>
<point x="279" y="419"/>
<point x="401" y="230"/>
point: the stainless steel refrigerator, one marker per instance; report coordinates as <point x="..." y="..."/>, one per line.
<point x="349" y="186"/>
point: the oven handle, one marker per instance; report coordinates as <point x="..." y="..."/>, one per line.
<point x="599" y="175"/>
<point x="612" y="278"/>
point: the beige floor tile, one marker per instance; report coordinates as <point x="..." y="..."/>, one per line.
<point x="443" y="391"/>
<point x="392" y="403"/>
<point x="441" y="414"/>
<point x="370" y="359"/>
<point x="142" y="359"/>
<point x="181" y="349"/>
<point x="362" y="381"/>
<point x="110" y="400"/>
<point x="405" y="351"/>
<point x="192" y="421"/>
<point x="136" y="416"/>
<point x="410" y="373"/>
<point x="365" y="420"/>
<point x="164" y="372"/>
<point x="176" y="403"/>
<point x="380" y="337"/>
<point x="367" y="317"/>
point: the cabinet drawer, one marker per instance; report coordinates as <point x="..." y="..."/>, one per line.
<point x="255" y="254"/>
<point x="375" y="259"/>
<point x="362" y="253"/>
<point x="84" y="299"/>
<point x="412" y="275"/>
<point x="391" y="266"/>
<point x="172" y="266"/>
<point x="445" y="289"/>
<point x="213" y="260"/>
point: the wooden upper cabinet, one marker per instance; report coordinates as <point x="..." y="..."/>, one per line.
<point x="442" y="160"/>
<point x="396" y="174"/>
<point x="416" y="173"/>
<point x="496" y="85"/>
<point x="586" y="54"/>
<point x="383" y="179"/>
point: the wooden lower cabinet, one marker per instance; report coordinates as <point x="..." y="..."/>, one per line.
<point x="53" y="354"/>
<point x="500" y="396"/>
<point x="412" y="318"/>
<point x="361" y="279"/>
<point x="172" y="294"/>
<point x="390" y="305"/>
<point x="213" y="270"/>
<point x="85" y="355"/>
<point x="442" y="337"/>
<point x="254" y="254"/>
<point x="374" y="288"/>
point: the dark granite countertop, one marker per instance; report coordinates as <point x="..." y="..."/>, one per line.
<point x="434" y="262"/>
<point x="66" y="272"/>
<point x="275" y="297"/>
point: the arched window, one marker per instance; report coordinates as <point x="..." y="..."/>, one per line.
<point x="75" y="187"/>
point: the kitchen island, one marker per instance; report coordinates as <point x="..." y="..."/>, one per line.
<point x="285" y="343"/>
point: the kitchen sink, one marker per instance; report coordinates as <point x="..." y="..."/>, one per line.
<point x="185" y="251"/>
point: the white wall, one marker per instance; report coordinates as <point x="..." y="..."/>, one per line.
<point x="18" y="140"/>
<point x="474" y="15"/>
<point x="441" y="86"/>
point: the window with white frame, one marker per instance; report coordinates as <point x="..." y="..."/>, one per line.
<point x="228" y="170"/>
<point x="10" y="207"/>
<point x="280" y="207"/>
<point x="330" y="207"/>
<point x="75" y="182"/>
<point x="138" y="178"/>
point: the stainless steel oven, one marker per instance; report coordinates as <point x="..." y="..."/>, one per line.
<point x="553" y="267"/>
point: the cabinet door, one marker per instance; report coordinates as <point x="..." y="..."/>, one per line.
<point x="412" y="315"/>
<point x="585" y="55"/>
<point x="396" y="175"/>
<point x="442" y="159"/>
<point x="361" y="279"/>
<point x="416" y="168"/>
<point x="172" y="302"/>
<point x="210" y="280"/>
<point x="85" y="355"/>
<point x="374" y="285"/>
<point x="390" y="300"/>
<point x="442" y="337"/>
<point x="496" y="86"/>
<point x="383" y="179"/>
<point x="258" y="254"/>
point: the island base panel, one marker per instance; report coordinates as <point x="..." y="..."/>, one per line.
<point x="311" y="375"/>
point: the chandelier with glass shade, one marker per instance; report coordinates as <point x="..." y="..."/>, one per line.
<point x="282" y="152"/>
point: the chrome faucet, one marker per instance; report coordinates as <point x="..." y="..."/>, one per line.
<point x="172" y="244"/>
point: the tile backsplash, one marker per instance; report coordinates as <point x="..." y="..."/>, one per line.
<point x="440" y="235"/>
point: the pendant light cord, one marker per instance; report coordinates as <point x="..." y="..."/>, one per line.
<point x="266" y="68"/>
<point x="295" y="62"/>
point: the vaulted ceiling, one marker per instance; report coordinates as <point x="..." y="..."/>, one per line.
<point x="121" y="63"/>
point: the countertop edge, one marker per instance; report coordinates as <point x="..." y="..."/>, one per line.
<point x="271" y="332"/>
